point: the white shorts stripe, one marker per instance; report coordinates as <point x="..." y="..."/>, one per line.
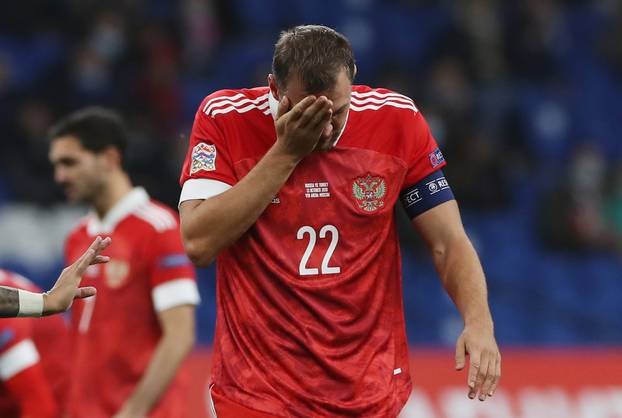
<point x="211" y="401"/>
<point x="18" y="358"/>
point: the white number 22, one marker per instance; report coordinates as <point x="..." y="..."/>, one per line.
<point x="326" y="269"/>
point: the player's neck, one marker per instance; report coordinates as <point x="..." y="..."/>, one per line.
<point x="116" y="189"/>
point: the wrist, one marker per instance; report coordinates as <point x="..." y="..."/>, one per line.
<point x="282" y="157"/>
<point x="480" y="322"/>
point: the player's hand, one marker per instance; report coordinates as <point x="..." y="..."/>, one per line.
<point x="484" y="360"/>
<point x="66" y="288"/>
<point x="300" y="128"/>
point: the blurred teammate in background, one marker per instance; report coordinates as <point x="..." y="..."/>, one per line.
<point x="132" y="338"/>
<point x="34" y="364"/>
<point x="293" y="187"/>
<point x="19" y="302"/>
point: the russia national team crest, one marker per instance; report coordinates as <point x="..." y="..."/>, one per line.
<point x="203" y="158"/>
<point x="117" y="272"/>
<point x="369" y="192"/>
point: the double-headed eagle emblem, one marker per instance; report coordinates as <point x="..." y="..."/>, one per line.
<point x="369" y="192"/>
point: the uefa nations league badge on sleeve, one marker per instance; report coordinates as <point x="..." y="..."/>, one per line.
<point x="203" y="158"/>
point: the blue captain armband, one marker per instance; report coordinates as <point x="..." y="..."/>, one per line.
<point x="428" y="193"/>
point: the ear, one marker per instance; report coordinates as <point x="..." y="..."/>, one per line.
<point x="355" y="71"/>
<point x="113" y="157"/>
<point x="273" y="88"/>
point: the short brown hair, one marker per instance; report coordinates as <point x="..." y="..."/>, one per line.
<point x="96" y="128"/>
<point x="316" y="53"/>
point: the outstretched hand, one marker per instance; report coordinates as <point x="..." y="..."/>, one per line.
<point x="66" y="288"/>
<point x="484" y="360"/>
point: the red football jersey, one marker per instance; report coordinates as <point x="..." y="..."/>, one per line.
<point x="31" y="342"/>
<point x="310" y="319"/>
<point x="117" y="331"/>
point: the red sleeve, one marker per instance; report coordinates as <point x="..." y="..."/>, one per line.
<point x="12" y="332"/>
<point x="421" y="153"/>
<point x="208" y="156"/>
<point x="33" y="393"/>
<point x="21" y="371"/>
<point x="173" y="280"/>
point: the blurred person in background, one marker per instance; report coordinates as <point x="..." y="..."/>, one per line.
<point x="34" y="365"/>
<point x="131" y="339"/>
<point x="573" y="215"/>
<point x="310" y="326"/>
<point x="613" y="204"/>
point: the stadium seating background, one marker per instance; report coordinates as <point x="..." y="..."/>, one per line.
<point x="513" y="92"/>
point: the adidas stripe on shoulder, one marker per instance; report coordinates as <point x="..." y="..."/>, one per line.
<point x="239" y="103"/>
<point x="374" y="100"/>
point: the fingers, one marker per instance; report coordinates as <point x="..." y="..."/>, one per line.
<point x="497" y="377"/>
<point x="460" y="353"/>
<point x="473" y="372"/>
<point x="328" y="128"/>
<point x="487" y="377"/>
<point x="105" y="244"/>
<point x="316" y="112"/>
<point x="85" y="260"/>
<point x="482" y="372"/>
<point x="90" y="256"/>
<point x="322" y="117"/>
<point x="298" y="110"/>
<point x="100" y="259"/>
<point x="84" y="292"/>
<point x="484" y="361"/>
<point x="283" y="107"/>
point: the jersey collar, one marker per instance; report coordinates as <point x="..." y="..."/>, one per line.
<point x="124" y="207"/>
<point x="274" y="107"/>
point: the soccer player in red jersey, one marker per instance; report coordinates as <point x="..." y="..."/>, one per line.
<point x="16" y="302"/>
<point x="293" y="187"/>
<point x="33" y="361"/>
<point x="131" y="339"/>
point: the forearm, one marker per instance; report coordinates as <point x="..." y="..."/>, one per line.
<point x="463" y="278"/>
<point x="19" y="302"/>
<point x="162" y="368"/>
<point x="217" y="222"/>
<point x="9" y="302"/>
